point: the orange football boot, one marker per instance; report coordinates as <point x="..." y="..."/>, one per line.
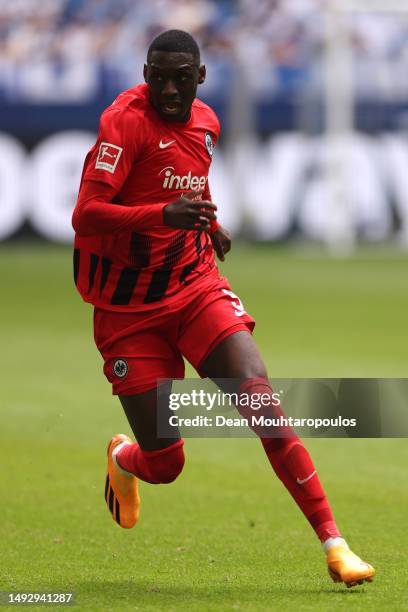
<point x="345" y="566"/>
<point x="121" y="488"/>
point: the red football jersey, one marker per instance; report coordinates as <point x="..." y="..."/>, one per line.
<point x="148" y="163"/>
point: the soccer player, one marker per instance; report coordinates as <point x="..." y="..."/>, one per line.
<point x="146" y="234"/>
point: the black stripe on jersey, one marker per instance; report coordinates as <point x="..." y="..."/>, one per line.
<point x="106" y="266"/>
<point x="77" y="257"/>
<point x="158" y="285"/>
<point x="139" y="250"/>
<point x="198" y="243"/>
<point x="190" y="267"/>
<point x="187" y="270"/>
<point x="93" y="264"/>
<point x="161" y="278"/>
<point x="106" y="487"/>
<point x="207" y="243"/>
<point x="174" y="251"/>
<point x="125" y="286"/>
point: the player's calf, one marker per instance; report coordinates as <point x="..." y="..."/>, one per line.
<point x="157" y="466"/>
<point x="127" y="462"/>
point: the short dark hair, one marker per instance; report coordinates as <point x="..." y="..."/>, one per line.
<point x="176" y="41"/>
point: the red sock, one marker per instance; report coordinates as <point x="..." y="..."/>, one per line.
<point x="157" y="467"/>
<point x="293" y="465"/>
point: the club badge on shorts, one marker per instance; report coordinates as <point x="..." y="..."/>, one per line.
<point x="209" y="144"/>
<point x="120" y="368"/>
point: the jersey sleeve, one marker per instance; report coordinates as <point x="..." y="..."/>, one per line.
<point x="95" y="214"/>
<point x="119" y="144"/>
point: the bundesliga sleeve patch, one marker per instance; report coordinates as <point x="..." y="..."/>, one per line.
<point x="108" y="157"/>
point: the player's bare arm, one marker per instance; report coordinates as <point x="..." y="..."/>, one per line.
<point x="221" y="241"/>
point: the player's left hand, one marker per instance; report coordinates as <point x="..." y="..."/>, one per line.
<point x="221" y="241"/>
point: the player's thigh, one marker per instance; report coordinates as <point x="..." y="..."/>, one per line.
<point x="205" y="331"/>
<point x="236" y="357"/>
<point x="138" y="350"/>
<point x="145" y="414"/>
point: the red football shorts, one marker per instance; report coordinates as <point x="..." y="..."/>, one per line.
<point x="141" y="347"/>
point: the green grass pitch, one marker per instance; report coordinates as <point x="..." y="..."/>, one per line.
<point x="225" y="535"/>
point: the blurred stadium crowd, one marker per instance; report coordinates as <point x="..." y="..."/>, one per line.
<point x="73" y="51"/>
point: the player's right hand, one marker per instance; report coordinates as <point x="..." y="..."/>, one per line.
<point x="189" y="212"/>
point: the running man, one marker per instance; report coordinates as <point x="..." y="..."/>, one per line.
<point x="146" y="234"/>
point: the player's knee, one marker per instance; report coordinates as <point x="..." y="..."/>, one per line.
<point x="168" y="464"/>
<point x="254" y="370"/>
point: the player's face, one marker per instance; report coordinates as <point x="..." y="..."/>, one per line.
<point x="173" y="79"/>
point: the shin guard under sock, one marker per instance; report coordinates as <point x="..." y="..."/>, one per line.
<point x="157" y="467"/>
<point x="294" y="467"/>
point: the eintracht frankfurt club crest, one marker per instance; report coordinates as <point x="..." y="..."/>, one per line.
<point x="120" y="368"/>
<point x="209" y="144"/>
